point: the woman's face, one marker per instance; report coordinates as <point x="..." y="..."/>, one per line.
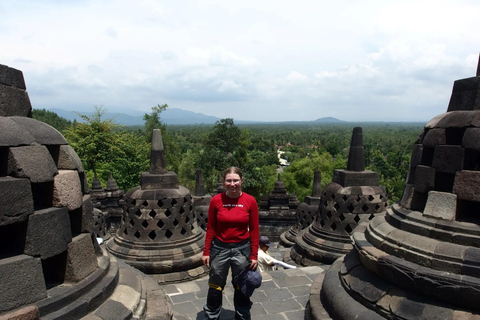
<point x="233" y="183"/>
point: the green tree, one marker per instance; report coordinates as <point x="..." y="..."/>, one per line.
<point x="298" y="176"/>
<point x="105" y="150"/>
<point x="51" y="118"/>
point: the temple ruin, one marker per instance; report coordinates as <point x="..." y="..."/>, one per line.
<point x="422" y="259"/>
<point x="51" y="266"/>
<point x="353" y="196"/>
<point x="160" y="235"/>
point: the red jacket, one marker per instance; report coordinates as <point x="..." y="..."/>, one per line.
<point x="233" y="220"/>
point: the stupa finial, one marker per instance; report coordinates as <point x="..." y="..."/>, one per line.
<point x="158" y="165"/>
<point x="356" y="156"/>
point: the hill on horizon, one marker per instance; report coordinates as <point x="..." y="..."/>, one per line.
<point x="174" y="116"/>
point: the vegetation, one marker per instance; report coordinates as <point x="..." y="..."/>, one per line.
<point x="104" y="150"/>
<point x="51" y="118"/>
<point x="105" y="147"/>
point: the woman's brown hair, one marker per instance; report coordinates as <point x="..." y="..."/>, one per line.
<point x="234" y="170"/>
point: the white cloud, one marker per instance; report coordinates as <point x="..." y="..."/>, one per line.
<point x="381" y="60"/>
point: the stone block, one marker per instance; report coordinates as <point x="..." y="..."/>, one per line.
<point x="48" y="232"/>
<point x="467" y="185"/>
<point x="43" y="133"/>
<point x="26" y="313"/>
<point x="407" y="196"/>
<point x="81" y="259"/>
<point x="448" y="158"/>
<point x="22" y="282"/>
<point x="435" y="137"/>
<point x="12" y="135"/>
<point x="67" y="190"/>
<point x="68" y="159"/>
<point x="11" y="77"/>
<point x="458" y="119"/>
<point x="442" y="205"/>
<point x="347" y="178"/>
<point x="33" y="162"/>
<point x="424" y="178"/>
<point x="471" y="139"/>
<point x="433" y="123"/>
<point x="16" y="200"/>
<point x="465" y="95"/>
<point x="159" y="181"/>
<point x="14" y="102"/>
<point x="87" y="214"/>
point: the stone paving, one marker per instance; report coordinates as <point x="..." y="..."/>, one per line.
<point x="283" y="295"/>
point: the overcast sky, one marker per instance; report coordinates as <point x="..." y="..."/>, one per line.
<point x="268" y="60"/>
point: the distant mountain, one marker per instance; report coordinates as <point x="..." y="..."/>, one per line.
<point x="168" y="116"/>
<point x="175" y="116"/>
<point x="328" y="120"/>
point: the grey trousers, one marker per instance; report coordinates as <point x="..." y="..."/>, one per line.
<point x="224" y="256"/>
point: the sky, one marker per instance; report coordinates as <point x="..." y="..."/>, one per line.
<point x="261" y="60"/>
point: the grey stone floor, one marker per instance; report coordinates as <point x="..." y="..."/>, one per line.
<point x="283" y="295"/>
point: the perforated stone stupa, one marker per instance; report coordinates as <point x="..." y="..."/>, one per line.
<point x="51" y="266"/>
<point x="160" y="235"/>
<point x="109" y="201"/>
<point x="422" y="259"/>
<point x="305" y="214"/>
<point x="277" y="213"/>
<point x="352" y="197"/>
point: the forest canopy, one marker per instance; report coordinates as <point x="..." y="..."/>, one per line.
<point x="105" y="147"/>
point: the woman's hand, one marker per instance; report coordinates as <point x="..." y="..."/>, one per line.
<point x="253" y="264"/>
<point x="206" y="260"/>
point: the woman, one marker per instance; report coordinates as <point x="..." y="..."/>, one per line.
<point x="231" y="242"/>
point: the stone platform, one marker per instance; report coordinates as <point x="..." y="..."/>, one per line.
<point x="283" y="295"/>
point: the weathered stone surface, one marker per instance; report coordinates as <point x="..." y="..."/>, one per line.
<point x="457" y="119"/>
<point x="158" y="164"/>
<point x="13" y="135"/>
<point x="441" y="205"/>
<point x="159" y="181"/>
<point x="87" y="214"/>
<point x="16" y="200"/>
<point x="27" y="313"/>
<point x="14" y="102"/>
<point x="471" y="138"/>
<point x="355" y="178"/>
<point x="67" y="190"/>
<point x="48" y="232"/>
<point x="68" y="159"/>
<point x="467" y="185"/>
<point x="199" y="186"/>
<point x="448" y="158"/>
<point x="11" y="77"/>
<point x="43" y="133"/>
<point x="81" y="260"/>
<point x="33" y="162"/>
<point x="465" y="95"/>
<point x="407" y="196"/>
<point x="21" y="282"/>
<point x="424" y="178"/>
<point x="435" y="137"/>
<point x="356" y="155"/>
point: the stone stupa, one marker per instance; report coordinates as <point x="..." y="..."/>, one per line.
<point x="277" y="213"/>
<point x="422" y="259"/>
<point x="353" y="196"/>
<point x="51" y="266"/>
<point x="305" y="214"/>
<point x="160" y="235"/>
<point x="109" y="201"/>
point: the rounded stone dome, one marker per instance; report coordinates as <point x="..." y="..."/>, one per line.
<point x="46" y="212"/>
